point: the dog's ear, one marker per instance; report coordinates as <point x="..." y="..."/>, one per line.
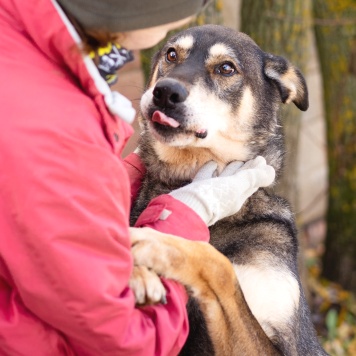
<point x="290" y="82"/>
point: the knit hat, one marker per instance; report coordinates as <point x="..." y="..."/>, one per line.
<point x="128" y="15"/>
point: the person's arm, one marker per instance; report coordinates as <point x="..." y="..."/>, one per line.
<point x="69" y="249"/>
<point x="165" y="213"/>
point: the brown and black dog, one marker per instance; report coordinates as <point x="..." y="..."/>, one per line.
<point x="215" y="95"/>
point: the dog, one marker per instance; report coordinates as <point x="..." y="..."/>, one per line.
<point x="214" y="94"/>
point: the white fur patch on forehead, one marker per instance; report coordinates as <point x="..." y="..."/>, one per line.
<point x="220" y="49"/>
<point x="185" y="42"/>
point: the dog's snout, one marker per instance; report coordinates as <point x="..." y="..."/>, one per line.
<point x="169" y="92"/>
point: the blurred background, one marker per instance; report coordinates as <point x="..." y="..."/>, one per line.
<point x="319" y="37"/>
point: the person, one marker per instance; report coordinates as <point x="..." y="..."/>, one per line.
<point x="65" y="259"/>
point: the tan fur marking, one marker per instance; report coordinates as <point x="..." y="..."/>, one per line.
<point x="239" y="130"/>
<point x="220" y="49"/>
<point x="289" y="79"/>
<point x="292" y="82"/>
<point x="185" y="161"/>
<point x="246" y="110"/>
<point x="154" y="77"/>
<point x="185" y="42"/>
<point x="218" y="53"/>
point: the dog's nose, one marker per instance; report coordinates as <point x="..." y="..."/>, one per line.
<point x="169" y="92"/>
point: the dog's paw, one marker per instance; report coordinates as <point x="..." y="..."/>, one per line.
<point x="196" y="265"/>
<point x="147" y="286"/>
<point x="158" y="252"/>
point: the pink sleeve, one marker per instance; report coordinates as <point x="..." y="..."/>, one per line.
<point x="165" y="213"/>
<point x="171" y="216"/>
<point x="68" y="249"/>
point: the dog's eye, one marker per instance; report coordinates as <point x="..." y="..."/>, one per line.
<point x="171" y="55"/>
<point x="226" y="69"/>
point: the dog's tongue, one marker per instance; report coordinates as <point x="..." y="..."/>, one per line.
<point x="163" y="119"/>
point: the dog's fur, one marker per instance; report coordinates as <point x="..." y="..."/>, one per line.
<point x="226" y="115"/>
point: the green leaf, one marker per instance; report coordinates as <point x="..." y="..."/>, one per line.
<point x="331" y="323"/>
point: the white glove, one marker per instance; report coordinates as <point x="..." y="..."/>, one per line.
<point x="214" y="198"/>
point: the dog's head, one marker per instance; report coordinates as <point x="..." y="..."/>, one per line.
<point x="214" y="93"/>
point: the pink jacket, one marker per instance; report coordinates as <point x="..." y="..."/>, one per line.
<point x="65" y="255"/>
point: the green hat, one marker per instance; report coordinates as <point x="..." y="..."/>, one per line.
<point x="128" y="15"/>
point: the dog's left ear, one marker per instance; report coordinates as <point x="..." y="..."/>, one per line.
<point x="290" y="82"/>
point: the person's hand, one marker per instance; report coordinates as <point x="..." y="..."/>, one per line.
<point x="216" y="197"/>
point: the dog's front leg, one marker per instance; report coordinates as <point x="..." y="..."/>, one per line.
<point x="210" y="277"/>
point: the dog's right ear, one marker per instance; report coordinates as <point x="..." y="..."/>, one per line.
<point x="289" y="80"/>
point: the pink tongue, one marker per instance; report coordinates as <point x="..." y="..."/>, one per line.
<point x="163" y="119"/>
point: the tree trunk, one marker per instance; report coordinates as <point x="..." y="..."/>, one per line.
<point x="335" y="28"/>
<point x="281" y="27"/>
